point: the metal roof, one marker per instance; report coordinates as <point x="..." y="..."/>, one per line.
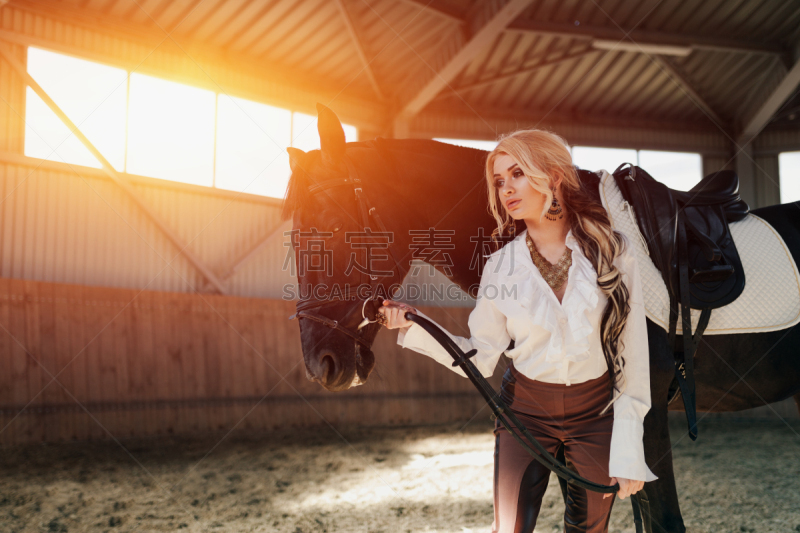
<point x="571" y="58"/>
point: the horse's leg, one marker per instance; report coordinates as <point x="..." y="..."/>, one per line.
<point x="664" y="509"/>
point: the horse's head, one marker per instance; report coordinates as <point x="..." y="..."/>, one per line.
<point x="340" y="280"/>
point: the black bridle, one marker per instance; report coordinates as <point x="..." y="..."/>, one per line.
<point x="366" y="211"/>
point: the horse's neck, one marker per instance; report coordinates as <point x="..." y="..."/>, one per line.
<point x="438" y="208"/>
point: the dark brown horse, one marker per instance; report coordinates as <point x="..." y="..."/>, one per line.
<point x="415" y="185"/>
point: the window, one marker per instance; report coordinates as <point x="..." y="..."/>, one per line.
<point x="480" y="145"/>
<point x="251" y="146"/>
<point x="677" y="170"/>
<point x="171" y="131"/>
<point x="305" y="136"/>
<point x="591" y="158"/>
<point x="163" y="129"/>
<point x="92" y="95"/>
<point x="789" y="172"/>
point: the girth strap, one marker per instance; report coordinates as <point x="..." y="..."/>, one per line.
<point x="684" y="359"/>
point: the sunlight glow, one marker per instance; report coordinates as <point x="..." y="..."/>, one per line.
<point x="469" y="143"/>
<point x="419" y="461"/>
<point x="251" y="147"/>
<point x="594" y="159"/>
<point x="93" y="97"/>
<point x="163" y="129"/>
<point x="305" y="136"/>
<point x="789" y="172"/>
<point x="676" y="170"/>
<point x="171" y="130"/>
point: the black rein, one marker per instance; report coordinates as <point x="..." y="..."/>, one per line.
<point x="639" y="501"/>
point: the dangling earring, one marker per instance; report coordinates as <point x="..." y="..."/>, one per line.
<point x="555" y="211"/>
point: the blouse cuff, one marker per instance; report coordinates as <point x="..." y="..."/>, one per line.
<point x="419" y="340"/>
<point x="413" y="337"/>
<point x="627" y="451"/>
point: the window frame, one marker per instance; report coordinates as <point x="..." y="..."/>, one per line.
<point x="126" y="124"/>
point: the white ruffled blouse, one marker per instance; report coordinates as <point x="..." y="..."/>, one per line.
<point x="557" y="342"/>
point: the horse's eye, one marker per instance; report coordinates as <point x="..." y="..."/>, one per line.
<point x="335" y="225"/>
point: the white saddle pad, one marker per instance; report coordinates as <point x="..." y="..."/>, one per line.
<point x="771" y="297"/>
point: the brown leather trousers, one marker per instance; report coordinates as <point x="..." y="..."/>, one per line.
<point x="558" y="416"/>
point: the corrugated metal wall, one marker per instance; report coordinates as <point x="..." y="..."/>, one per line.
<point x="80" y="227"/>
<point x="776" y="140"/>
<point x="768" y="188"/>
<point x="714" y="163"/>
<point x="767" y="175"/>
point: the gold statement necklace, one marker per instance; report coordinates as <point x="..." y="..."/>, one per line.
<point x="554" y="275"/>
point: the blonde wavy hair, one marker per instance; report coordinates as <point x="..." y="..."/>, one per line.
<point x="544" y="157"/>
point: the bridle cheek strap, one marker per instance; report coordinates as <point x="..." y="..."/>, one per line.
<point x="365" y="211"/>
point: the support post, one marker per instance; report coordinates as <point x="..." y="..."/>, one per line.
<point x="746" y="169"/>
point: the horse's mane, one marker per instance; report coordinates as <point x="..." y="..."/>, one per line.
<point x="297" y="194"/>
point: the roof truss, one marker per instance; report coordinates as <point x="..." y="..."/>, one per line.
<point x="491" y="19"/>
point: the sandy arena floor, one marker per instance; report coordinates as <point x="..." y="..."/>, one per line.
<point x="740" y="476"/>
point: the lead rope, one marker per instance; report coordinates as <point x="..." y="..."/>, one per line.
<point x="639" y="501"/>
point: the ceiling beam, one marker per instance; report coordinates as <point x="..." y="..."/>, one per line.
<point x="618" y="131"/>
<point x="551" y="117"/>
<point x="648" y="37"/>
<point x="183" y="248"/>
<point x="489" y="23"/>
<point x="438" y="8"/>
<point x="348" y="22"/>
<point x="680" y="78"/>
<point x="519" y="72"/>
<point x="771" y="104"/>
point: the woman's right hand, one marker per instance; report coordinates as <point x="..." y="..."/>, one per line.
<point x="395" y="314"/>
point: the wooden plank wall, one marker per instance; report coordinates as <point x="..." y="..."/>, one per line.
<point x="81" y="362"/>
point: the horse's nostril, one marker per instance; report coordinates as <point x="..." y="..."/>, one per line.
<point x="328" y="365"/>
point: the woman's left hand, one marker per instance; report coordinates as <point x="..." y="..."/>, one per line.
<point x="626" y="487"/>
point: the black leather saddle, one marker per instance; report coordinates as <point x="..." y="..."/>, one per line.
<point x="689" y="241"/>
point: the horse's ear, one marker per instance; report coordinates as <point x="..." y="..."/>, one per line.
<point x="331" y="133"/>
<point x="296" y="157"/>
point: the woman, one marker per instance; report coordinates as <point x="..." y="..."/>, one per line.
<point x="579" y="374"/>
